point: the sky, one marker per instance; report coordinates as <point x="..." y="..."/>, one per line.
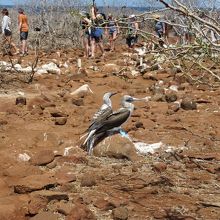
<point x="6" y="2"/>
<point x="100" y="2"/>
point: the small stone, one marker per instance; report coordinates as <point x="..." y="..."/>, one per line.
<point x="52" y="165"/>
<point x="50" y="195"/>
<point x="60" y="121"/>
<point x="174" y="107"/>
<point x="64" y="208"/>
<point x="42" y="158"/>
<point x="139" y="125"/>
<point x="46" y="216"/>
<point x="58" y="114"/>
<point x="150" y="75"/>
<point x="81" y="211"/>
<point x="154" y="67"/>
<point x="188" y="104"/>
<point x="3" y="122"/>
<point x="36" y="204"/>
<point x="88" y="180"/>
<point x="171" y="97"/>
<point x="63" y="178"/>
<point x="21" y="100"/>
<point x="103" y="204"/>
<point x="159" y="166"/>
<point x="77" y="102"/>
<point x="120" y="213"/>
<point x="37" y="111"/>
<point x="160" y="214"/>
<point x="158" y="98"/>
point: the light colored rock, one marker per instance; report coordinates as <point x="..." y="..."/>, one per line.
<point x="26" y="69"/>
<point x="51" y="68"/>
<point x="135" y="73"/>
<point x="82" y="90"/>
<point x="110" y="68"/>
<point x="24" y="157"/>
<point x="116" y="146"/>
<point x="60" y="120"/>
<point x="41" y="71"/>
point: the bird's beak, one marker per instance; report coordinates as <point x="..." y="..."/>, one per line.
<point x="138" y="99"/>
<point x="113" y="93"/>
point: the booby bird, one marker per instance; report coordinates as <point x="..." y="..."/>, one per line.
<point x="113" y="122"/>
<point x="100" y="115"/>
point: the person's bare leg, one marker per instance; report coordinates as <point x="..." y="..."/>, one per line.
<point x="8" y="39"/>
<point x="113" y="40"/>
<point x="23" y="46"/>
<point x="26" y="46"/>
<point x="87" y="48"/>
<point x="101" y="48"/>
<point x="15" y="48"/>
<point x="93" y="48"/>
<point x="84" y="46"/>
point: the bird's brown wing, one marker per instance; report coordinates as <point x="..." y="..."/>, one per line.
<point x="95" y="124"/>
<point x="114" y="120"/>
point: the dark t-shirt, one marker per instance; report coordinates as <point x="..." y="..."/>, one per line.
<point x="159" y="26"/>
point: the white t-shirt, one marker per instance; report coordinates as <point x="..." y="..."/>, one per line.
<point x="6" y="22"/>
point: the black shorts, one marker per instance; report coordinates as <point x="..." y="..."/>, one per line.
<point x="23" y="36"/>
<point x="7" y="33"/>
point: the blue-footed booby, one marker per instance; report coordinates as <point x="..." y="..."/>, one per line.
<point x="112" y="123"/>
<point x="100" y="115"/>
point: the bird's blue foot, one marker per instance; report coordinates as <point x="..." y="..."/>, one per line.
<point x="124" y="133"/>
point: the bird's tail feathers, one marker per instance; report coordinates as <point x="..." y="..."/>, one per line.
<point x="88" y="137"/>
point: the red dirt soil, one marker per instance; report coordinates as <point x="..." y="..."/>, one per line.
<point x="182" y="184"/>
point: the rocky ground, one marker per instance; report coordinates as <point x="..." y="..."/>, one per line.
<point x="45" y="175"/>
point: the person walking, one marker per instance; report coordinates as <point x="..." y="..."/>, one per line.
<point x="133" y="28"/>
<point x="159" y="26"/>
<point x="23" y="28"/>
<point x="6" y="30"/>
<point x="85" y="32"/>
<point x="97" y="30"/>
<point x="113" y="29"/>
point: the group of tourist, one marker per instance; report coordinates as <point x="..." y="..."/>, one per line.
<point x="95" y="26"/>
<point x="23" y="30"/>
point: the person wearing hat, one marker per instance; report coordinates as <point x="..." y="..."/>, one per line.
<point x="6" y="30"/>
<point x="133" y="28"/>
<point x="23" y="28"/>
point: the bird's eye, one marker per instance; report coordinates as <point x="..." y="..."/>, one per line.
<point x="130" y="99"/>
